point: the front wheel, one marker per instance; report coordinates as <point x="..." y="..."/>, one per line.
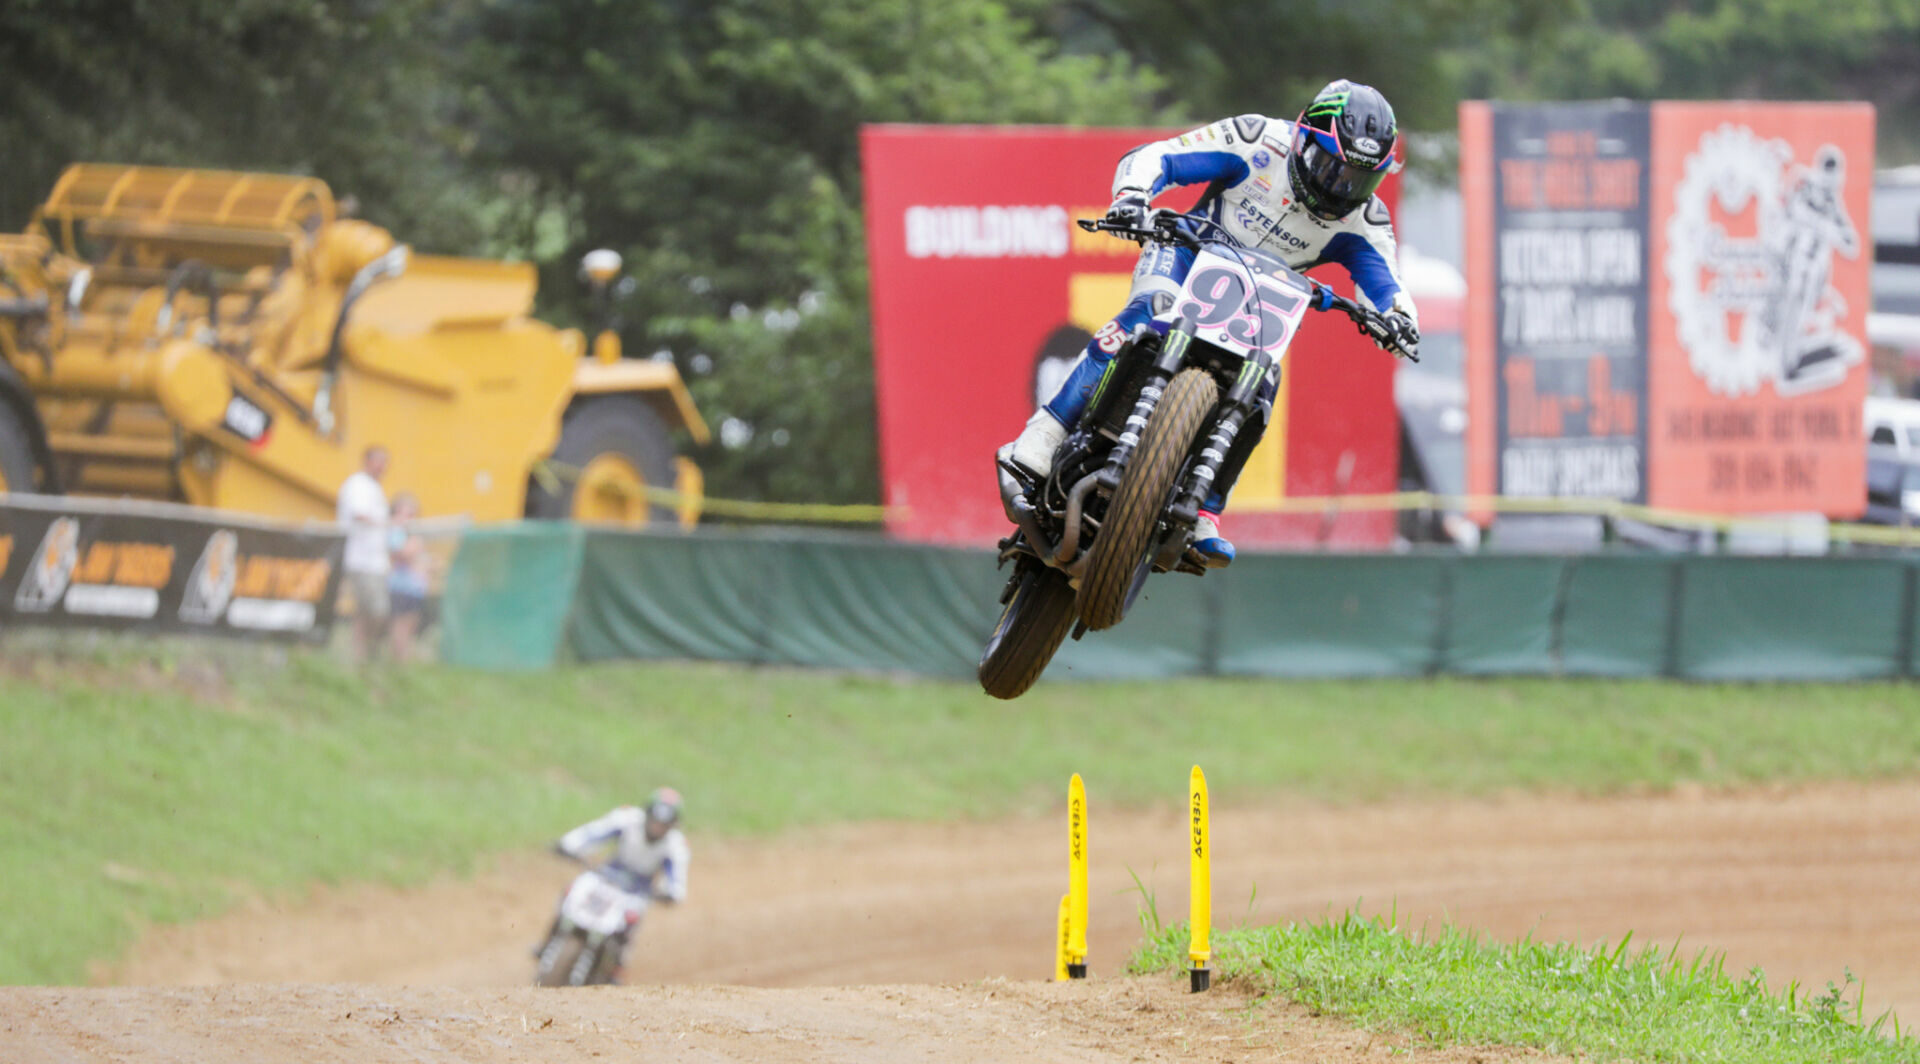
<point x="557" y="959"/>
<point x="1037" y="618"/>
<point x="1126" y="533"/>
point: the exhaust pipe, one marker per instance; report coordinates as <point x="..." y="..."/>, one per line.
<point x="1014" y="499"/>
<point x="1076" y="501"/>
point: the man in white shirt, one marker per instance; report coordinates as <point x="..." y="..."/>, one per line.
<point x="362" y="511"/>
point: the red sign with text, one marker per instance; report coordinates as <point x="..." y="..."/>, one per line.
<point x="984" y="291"/>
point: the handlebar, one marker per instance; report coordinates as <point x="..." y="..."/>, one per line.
<point x="1165" y="227"/>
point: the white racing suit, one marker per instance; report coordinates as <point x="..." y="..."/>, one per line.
<point x="1243" y="163"/>
<point x="655" y="869"/>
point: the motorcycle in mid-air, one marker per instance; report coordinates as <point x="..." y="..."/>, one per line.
<point x="597" y="916"/>
<point x="1128" y="481"/>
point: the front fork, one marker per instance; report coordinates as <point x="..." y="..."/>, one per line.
<point x="1240" y="402"/>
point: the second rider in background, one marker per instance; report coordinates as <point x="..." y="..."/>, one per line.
<point x="1300" y="190"/>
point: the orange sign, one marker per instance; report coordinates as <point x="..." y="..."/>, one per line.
<point x="1760" y="256"/>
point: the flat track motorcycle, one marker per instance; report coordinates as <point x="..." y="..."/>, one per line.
<point x="1128" y="481"/>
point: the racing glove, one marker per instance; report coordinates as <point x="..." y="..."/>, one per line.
<point x="1403" y="336"/>
<point x="1129" y="209"/>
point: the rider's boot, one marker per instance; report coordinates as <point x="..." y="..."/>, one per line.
<point x="1215" y="550"/>
<point x="1033" y="449"/>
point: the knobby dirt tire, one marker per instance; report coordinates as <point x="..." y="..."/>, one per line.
<point x="558" y="972"/>
<point x="1037" y="618"/>
<point x="1126" y="533"/>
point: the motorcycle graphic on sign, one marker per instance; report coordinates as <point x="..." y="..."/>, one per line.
<point x="1749" y="263"/>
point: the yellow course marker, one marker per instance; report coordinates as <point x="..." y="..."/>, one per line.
<point x="1076" y="878"/>
<point x="1060" y="943"/>
<point x="1199" y="882"/>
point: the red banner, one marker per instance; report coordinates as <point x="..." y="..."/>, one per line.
<point x="984" y="291"/>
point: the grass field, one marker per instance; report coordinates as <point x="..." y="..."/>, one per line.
<point x="1627" y="1001"/>
<point x="159" y="781"/>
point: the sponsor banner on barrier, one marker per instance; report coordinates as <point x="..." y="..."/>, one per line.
<point x="78" y="562"/>
<point x="984" y="292"/>
<point x="1668" y="301"/>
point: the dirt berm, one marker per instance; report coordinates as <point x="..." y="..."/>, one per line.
<point x="932" y="943"/>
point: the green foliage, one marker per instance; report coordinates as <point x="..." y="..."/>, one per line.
<point x="1716" y="49"/>
<point x="717" y="146"/>
<point x="1229" y="58"/>
<point x="1603" y="1003"/>
<point x="349" y="91"/>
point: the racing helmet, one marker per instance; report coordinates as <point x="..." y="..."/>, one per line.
<point x="1342" y="149"/>
<point x="663" y="811"/>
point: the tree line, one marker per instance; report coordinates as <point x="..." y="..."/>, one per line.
<point x="714" y="143"/>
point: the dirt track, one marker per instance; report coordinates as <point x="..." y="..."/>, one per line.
<point x="1804" y="883"/>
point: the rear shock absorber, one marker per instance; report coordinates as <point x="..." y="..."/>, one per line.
<point x="1173" y="352"/>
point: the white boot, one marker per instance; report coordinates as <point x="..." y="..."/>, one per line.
<point x="1033" y="449"/>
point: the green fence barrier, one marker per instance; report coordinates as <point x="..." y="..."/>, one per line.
<point x="508" y="595"/>
<point x="1616" y="615"/>
<point x="1790" y="619"/>
<point x="1324" y="615"/>
<point x="523" y="595"/>
<point x="1501" y="616"/>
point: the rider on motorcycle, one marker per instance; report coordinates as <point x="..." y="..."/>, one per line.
<point x="649" y="855"/>
<point x="1302" y="191"/>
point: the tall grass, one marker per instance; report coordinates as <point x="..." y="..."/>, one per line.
<point x="1604" y="1003"/>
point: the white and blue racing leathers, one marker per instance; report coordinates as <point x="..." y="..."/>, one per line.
<point x="637" y="864"/>
<point x="1243" y="163"/>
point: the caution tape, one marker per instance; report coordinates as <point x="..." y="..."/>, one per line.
<point x="1879" y="535"/>
<point x="550" y="474"/>
<point x="804" y="512"/>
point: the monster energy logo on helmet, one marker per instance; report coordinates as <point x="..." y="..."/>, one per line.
<point x="1342" y="149"/>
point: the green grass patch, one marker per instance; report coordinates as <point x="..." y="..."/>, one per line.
<point x="1602" y="1003"/>
<point x="157" y="781"/>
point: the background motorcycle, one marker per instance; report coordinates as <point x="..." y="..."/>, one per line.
<point x="1127" y="483"/>
<point x="597" y="916"/>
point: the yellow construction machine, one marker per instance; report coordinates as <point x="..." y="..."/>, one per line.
<point x="228" y="340"/>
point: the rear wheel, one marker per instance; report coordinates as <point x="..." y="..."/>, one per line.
<point x="16" y="451"/>
<point x="612" y="449"/>
<point x="606" y="961"/>
<point x="557" y="960"/>
<point x="1126" y="533"/>
<point x="1036" y="620"/>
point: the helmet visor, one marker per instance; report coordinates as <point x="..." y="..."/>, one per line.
<point x="1335" y="185"/>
